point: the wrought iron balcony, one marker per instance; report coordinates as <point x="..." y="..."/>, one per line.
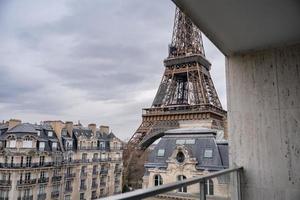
<point x="30" y="197"/>
<point x="54" y="194"/>
<point x="85" y="160"/>
<point x="68" y="189"/>
<point x="104" y="171"/>
<point x="41" y="196"/>
<point x="5" y="183"/>
<point x="201" y="180"/>
<point x="56" y="178"/>
<point x="26" y="182"/>
<point x="69" y="175"/>
<point x="102" y="184"/>
<point x="83" y="174"/>
<point x="43" y="180"/>
<point x="25" y="165"/>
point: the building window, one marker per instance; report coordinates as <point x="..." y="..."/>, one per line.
<point x="42" y="175"/>
<point x="209" y="187"/>
<point x="27" y="176"/>
<point x="27" y="142"/>
<point x="94" y="195"/>
<point x="102" y="145"/>
<point x="208" y="153"/>
<point x="190" y="141"/>
<point x="83" y="170"/>
<point x="103" y="156"/>
<point x="12" y="143"/>
<point x="95" y="169"/>
<point x="42" y="146"/>
<point x="95" y="156"/>
<point x="50" y="134"/>
<point x="180" y="141"/>
<point x="81" y="196"/>
<point x="42" y="189"/>
<point x="84" y="156"/>
<point x="68" y="197"/>
<point x="54" y="146"/>
<point x="158" y="180"/>
<point x="180" y="157"/>
<point x="68" y="186"/>
<point x="28" y="161"/>
<point x="161" y="152"/>
<point x="4" y="193"/>
<point x="82" y="184"/>
<point x="181" y="178"/>
<point x="42" y="160"/>
<point x="38" y="133"/>
<point x="12" y="161"/>
<point x="55" y="188"/>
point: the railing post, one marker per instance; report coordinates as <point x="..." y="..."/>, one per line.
<point x="202" y="189"/>
<point x="236" y="185"/>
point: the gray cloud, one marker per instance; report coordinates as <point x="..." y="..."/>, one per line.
<point x="94" y="61"/>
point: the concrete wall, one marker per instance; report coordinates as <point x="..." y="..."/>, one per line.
<point x="263" y="90"/>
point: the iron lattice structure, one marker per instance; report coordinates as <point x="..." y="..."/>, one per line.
<point x="186" y="92"/>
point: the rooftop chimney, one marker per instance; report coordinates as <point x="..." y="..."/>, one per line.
<point x="13" y="122"/>
<point x="92" y="127"/>
<point x="104" y="129"/>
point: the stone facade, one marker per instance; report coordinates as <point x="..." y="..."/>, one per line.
<point x="57" y="160"/>
<point x="184" y="154"/>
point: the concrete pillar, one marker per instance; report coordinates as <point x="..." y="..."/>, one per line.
<point x="263" y="90"/>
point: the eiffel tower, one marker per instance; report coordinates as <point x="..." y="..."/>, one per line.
<point x="186" y="94"/>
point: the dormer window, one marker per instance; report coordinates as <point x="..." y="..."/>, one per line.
<point x="42" y="146"/>
<point x="50" y="134"/>
<point x="208" y="153"/>
<point x="161" y="152"/>
<point x="38" y="133"/>
<point x="180" y="157"/>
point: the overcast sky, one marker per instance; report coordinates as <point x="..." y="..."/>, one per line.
<point x="97" y="61"/>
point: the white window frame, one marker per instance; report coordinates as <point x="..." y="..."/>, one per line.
<point x="12" y="143"/>
<point x="42" y="146"/>
<point x="161" y="152"/>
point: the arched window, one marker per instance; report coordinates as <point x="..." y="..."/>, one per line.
<point x="27" y="142"/>
<point x="158" y="180"/>
<point x="209" y="187"/>
<point x="181" y="178"/>
<point x="180" y="157"/>
<point x="12" y="142"/>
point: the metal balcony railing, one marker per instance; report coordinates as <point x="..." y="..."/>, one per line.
<point x="70" y="175"/>
<point x="6" y="183"/>
<point x="43" y="180"/>
<point x="30" y="197"/>
<point x="54" y="194"/>
<point x="83" y="174"/>
<point x="56" y="178"/>
<point x="201" y="180"/>
<point x="41" y="196"/>
<point x="26" y="182"/>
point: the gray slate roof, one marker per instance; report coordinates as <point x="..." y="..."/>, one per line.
<point x="204" y="139"/>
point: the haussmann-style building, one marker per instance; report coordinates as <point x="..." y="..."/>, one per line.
<point x="57" y="160"/>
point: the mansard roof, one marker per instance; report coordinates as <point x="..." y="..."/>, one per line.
<point x="203" y="139"/>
